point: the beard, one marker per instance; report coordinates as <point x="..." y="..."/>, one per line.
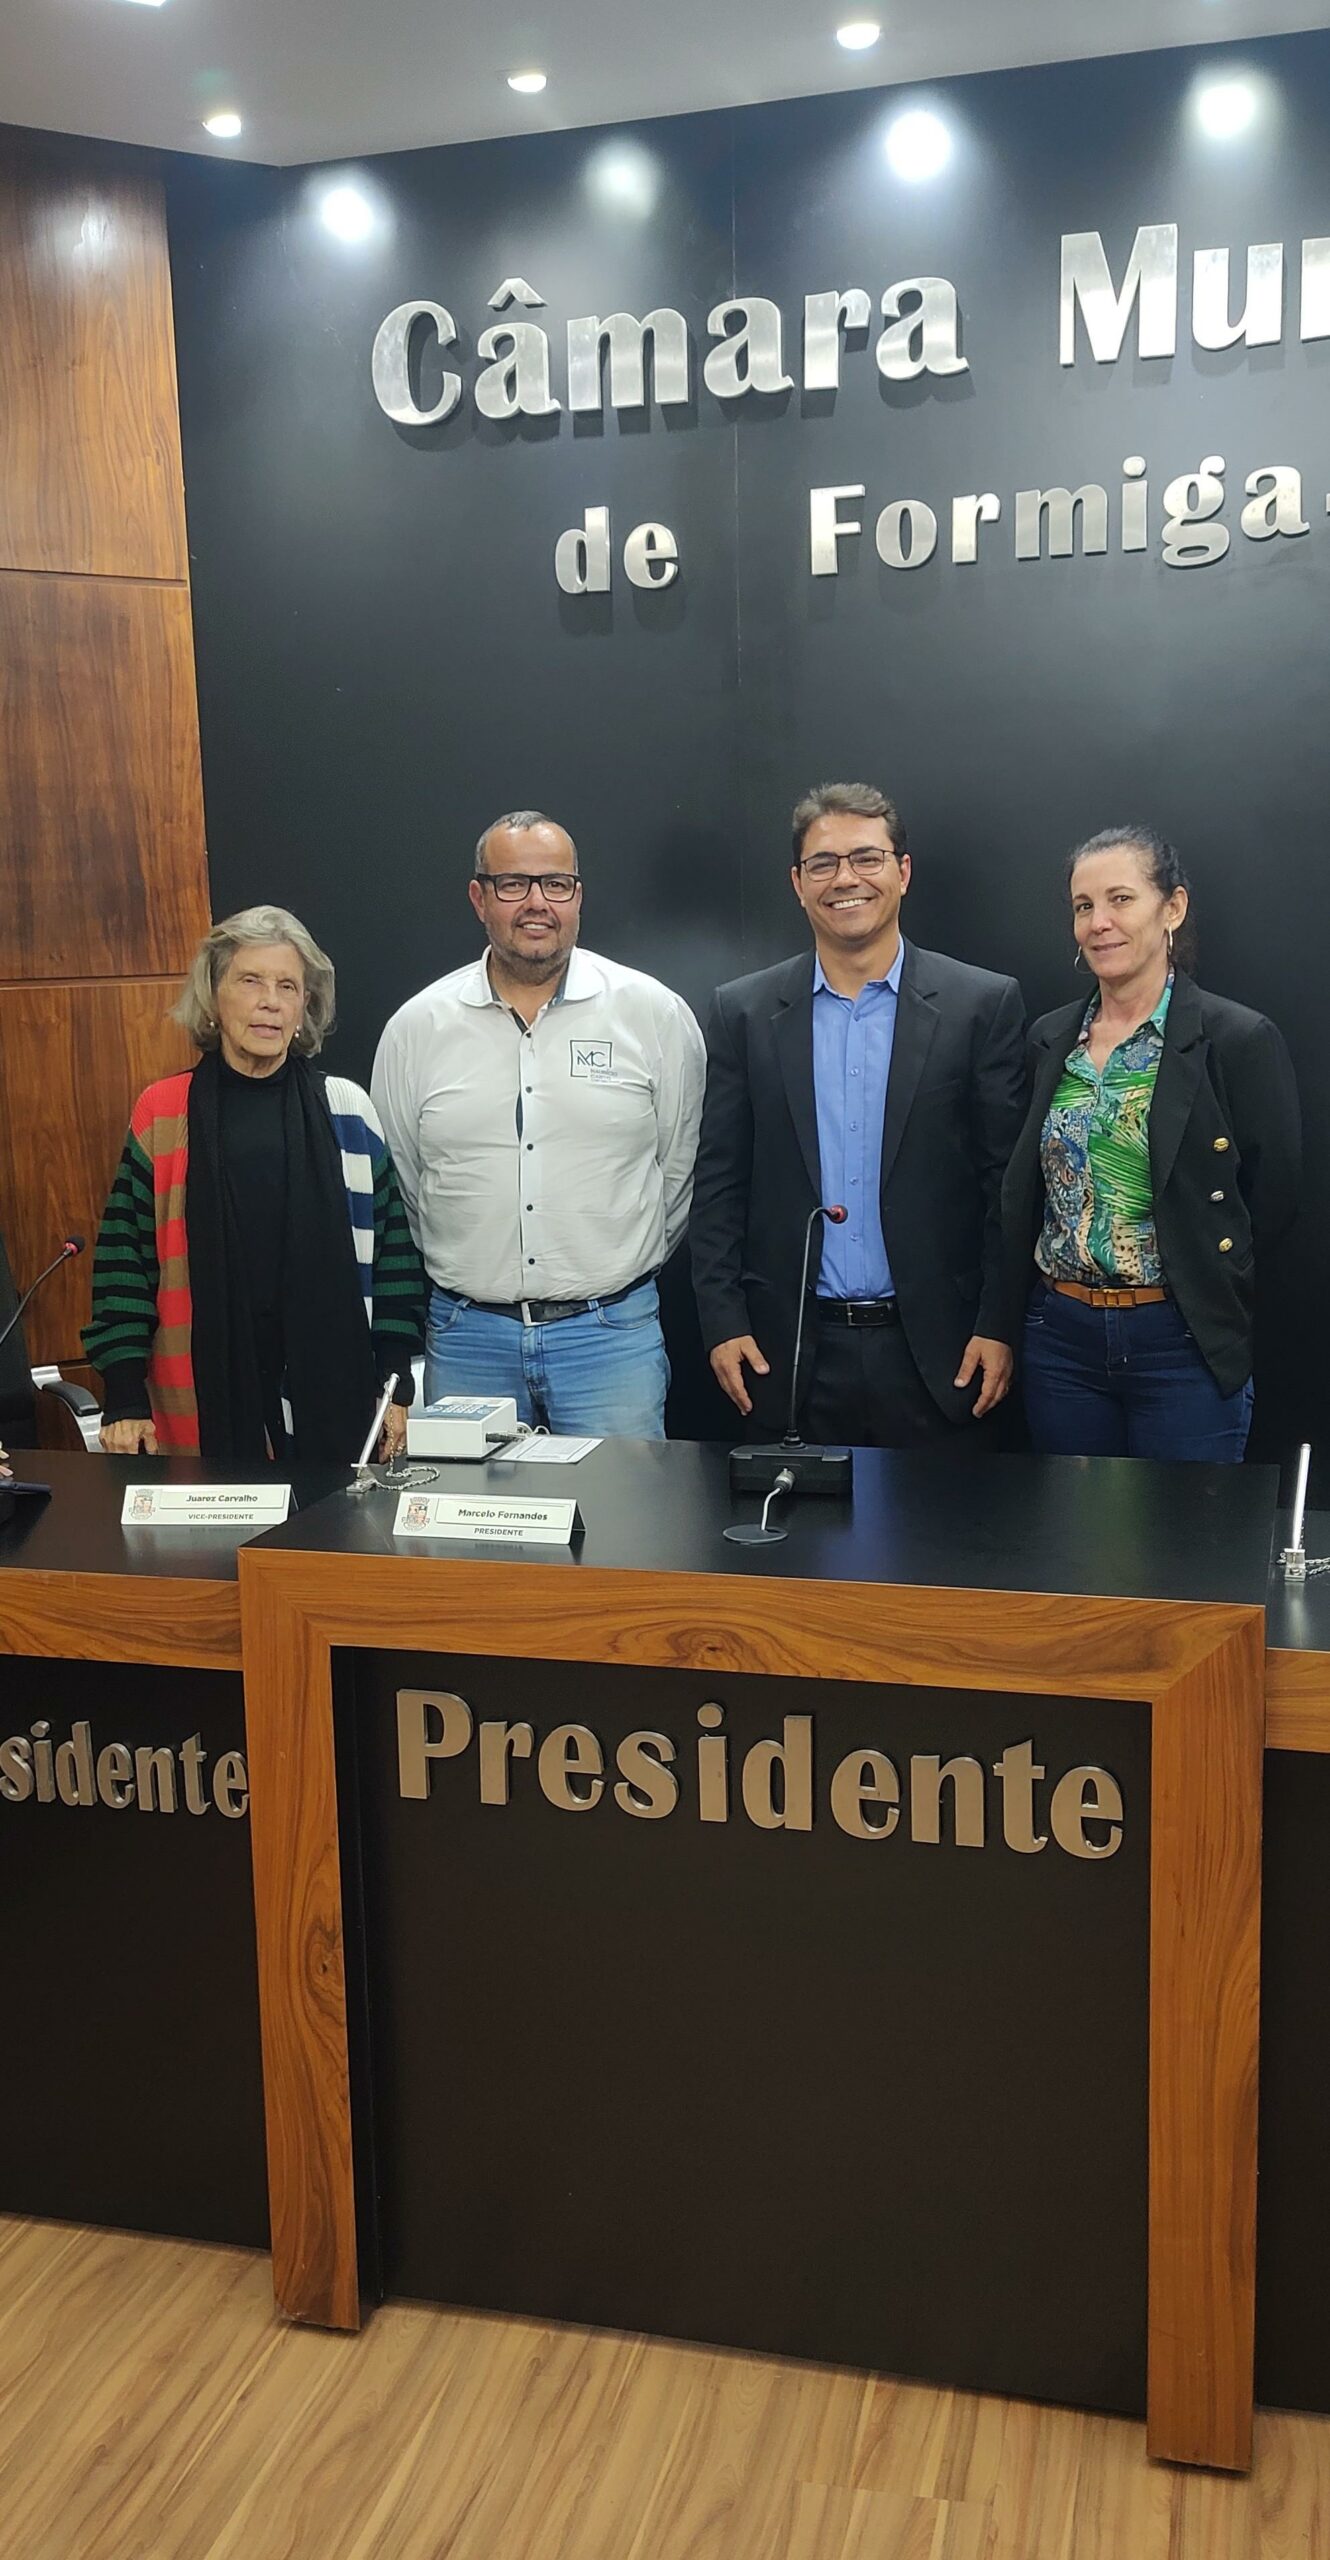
<point x="531" y="968"/>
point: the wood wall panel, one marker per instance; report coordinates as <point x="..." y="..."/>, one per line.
<point x="103" y="874"/>
<point x="90" y="469"/>
<point x="72" y="1059"/>
<point x="101" y="805"/>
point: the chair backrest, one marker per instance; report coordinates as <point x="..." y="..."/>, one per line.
<point x="18" y="1402"/>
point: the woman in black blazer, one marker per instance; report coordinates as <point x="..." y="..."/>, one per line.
<point x="1159" y="1157"/>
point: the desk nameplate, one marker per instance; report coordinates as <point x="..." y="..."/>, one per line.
<point x="473" y="1517"/>
<point x="205" y="1506"/>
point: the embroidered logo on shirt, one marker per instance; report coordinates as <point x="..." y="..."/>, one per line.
<point x="593" y="1059"/>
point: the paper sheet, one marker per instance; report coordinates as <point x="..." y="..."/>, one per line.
<point x="549" y="1451"/>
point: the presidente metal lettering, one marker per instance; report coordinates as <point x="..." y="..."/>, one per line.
<point x="961" y="1802"/>
<point x="156" y="1778"/>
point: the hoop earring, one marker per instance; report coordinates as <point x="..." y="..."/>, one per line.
<point x="1170" y="942"/>
<point x="1079" y="961"/>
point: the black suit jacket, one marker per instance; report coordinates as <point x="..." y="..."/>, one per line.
<point x="954" y="1098"/>
<point x="1225" y="1162"/>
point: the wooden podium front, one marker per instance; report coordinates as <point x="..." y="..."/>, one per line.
<point x="1037" y="1579"/>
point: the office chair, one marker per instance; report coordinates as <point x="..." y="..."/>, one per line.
<point x="20" y="1385"/>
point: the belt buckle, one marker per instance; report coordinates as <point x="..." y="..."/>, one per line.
<point x="526" y="1305"/>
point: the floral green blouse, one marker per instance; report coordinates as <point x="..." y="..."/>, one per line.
<point x="1095" y="1154"/>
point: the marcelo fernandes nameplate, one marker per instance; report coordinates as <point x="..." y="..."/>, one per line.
<point x="474" y="1518"/>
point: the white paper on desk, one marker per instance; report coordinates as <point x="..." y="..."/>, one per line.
<point x="549" y="1452"/>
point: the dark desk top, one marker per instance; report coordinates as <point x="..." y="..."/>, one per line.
<point x="78" y="1530"/>
<point x="1298" y="1613"/>
<point x="1100" y="1527"/>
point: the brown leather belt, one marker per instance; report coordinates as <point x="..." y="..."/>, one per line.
<point x="1106" y="1297"/>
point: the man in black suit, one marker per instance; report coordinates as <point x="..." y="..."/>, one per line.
<point x="885" y="1079"/>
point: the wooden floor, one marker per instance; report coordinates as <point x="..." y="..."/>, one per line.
<point x="152" y="2409"/>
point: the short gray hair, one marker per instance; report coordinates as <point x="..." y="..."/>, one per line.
<point x="197" y="1009"/>
<point x="520" y="820"/>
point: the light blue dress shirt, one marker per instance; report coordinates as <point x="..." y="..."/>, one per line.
<point x="852" y="1044"/>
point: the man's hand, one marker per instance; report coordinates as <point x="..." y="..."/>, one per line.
<point x="392" y="1438"/>
<point x="994" y="1361"/>
<point x="728" y="1361"/>
<point x="127" y="1439"/>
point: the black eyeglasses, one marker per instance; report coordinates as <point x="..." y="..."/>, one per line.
<point x="512" y="886"/>
<point x="866" y="860"/>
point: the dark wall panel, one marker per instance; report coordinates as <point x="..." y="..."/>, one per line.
<point x="386" y="661"/>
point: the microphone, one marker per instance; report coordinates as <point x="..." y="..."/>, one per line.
<point x="835" y="1217"/>
<point x="69" y="1251"/>
<point x="814" y="1470"/>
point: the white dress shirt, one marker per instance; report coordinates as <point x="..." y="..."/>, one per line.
<point x="549" y="1162"/>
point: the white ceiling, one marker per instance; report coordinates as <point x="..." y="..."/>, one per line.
<point x="321" y="79"/>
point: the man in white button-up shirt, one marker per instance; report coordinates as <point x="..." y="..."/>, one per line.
<point x="542" y="1108"/>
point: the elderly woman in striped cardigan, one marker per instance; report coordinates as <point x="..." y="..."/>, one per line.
<point x="255" y="1282"/>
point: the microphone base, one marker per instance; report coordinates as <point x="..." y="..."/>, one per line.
<point x="815" y="1470"/>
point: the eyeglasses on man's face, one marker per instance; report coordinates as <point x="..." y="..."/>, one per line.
<point x="866" y="861"/>
<point x="513" y="886"/>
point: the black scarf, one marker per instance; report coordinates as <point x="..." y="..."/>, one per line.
<point x="330" y="1380"/>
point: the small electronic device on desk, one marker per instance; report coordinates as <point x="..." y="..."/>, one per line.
<point x="460" y="1427"/>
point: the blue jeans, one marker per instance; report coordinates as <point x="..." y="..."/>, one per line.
<point x="604" y="1372"/>
<point x="1125" y="1382"/>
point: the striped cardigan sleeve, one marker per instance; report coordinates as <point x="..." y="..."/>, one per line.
<point x="392" y="1273"/>
<point x="398" y="1320"/>
<point x="125" y="1273"/>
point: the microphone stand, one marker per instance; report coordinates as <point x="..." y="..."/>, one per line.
<point x="69" y="1250"/>
<point x="793" y="1465"/>
<point x="72" y="1246"/>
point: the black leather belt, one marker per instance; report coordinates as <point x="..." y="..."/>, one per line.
<point x="858" y="1311"/>
<point x="554" y="1310"/>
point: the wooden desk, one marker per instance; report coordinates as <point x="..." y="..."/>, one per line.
<point x="1034" y="1578"/>
<point x="133" y="2089"/>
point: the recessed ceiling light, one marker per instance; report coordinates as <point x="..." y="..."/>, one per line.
<point x="150" y="4"/>
<point x="858" y="34"/>
<point x="528" y="84"/>
<point x="918" y="144"/>
<point x="1226" y="107"/>
<point x="347" y="213"/>
<point x="223" y="128"/>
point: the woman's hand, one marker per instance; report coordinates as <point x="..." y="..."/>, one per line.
<point x="5" y="1467"/>
<point x="127" y="1439"/>
<point x="392" y="1438"/>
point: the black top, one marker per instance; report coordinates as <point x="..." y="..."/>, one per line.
<point x="1298" y="1619"/>
<point x="1225" y="1163"/>
<point x="78" y="1530"/>
<point x="1097" y="1527"/>
<point x="254" y="1160"/>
